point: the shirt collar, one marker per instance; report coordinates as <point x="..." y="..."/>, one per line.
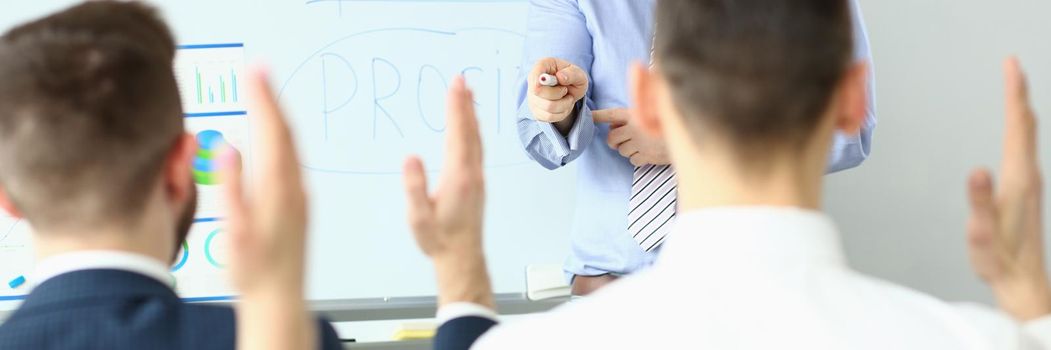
<point x="101" y="260"/>
<point x="751" y="237"/>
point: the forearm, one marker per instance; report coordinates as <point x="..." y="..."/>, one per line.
<point x="275" y="320"/>
<point x="566" y="125"/>
<point x="463" y="278"/>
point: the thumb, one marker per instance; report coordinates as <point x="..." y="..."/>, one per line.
<point x="418" y="200"/>
<point x="239" y="236"/>
<point x="981" y="229"/>
<point x="233" y="189"/>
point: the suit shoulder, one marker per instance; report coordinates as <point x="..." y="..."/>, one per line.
<point x="221" y="316"/>
<point x="329" y="339"/>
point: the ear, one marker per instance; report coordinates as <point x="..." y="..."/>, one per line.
<point x="853" y="98"/>
<point x="178" y="169"/>
<point x="642" y="83"/>
<point x="7" y="205"/>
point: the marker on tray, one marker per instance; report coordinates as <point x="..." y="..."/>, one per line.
<point x="548" y="80"/>
<point x="17" y="282"/>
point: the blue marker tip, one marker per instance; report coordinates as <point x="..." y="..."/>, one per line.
<point x="17" y="282"/>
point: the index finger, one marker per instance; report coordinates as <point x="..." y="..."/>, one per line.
<point x="547" y="65"/>
<point x="611" y="116"/>
<point x="571" y="75"/>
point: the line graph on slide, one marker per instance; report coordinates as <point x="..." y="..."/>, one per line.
<point x="5" y="231"/>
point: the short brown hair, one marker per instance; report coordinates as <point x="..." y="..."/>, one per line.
<point x="759" y="72"/>
<point x="89" y="110"/>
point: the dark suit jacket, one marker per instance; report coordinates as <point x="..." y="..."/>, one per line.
<point x="460" y="333"/>
<point x="117" y="310"/>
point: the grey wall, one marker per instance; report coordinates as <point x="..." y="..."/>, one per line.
<point x="939" y="100"/>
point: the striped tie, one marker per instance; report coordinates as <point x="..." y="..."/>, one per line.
<point x="653" y="202"/>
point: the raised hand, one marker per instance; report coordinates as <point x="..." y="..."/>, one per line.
<point x="554" y="104"/>
<point x="1005" y="230"/>
<point x="266" y="224"/>
<point x="448" y="223"/>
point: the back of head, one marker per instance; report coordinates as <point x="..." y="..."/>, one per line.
<point x="759" y="73"/>
<point x="89" y="108"/>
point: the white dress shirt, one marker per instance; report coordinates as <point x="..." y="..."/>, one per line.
<point x="762" y="278"/>
<point x="101" y="260"/>
<point x="604" y="37"/>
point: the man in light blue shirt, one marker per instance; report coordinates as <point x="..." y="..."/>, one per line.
<point x="588" y="45"/>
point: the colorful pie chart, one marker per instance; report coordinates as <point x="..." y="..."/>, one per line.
<point x="210" y="145"/>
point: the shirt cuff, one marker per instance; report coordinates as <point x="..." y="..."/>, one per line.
<point x="561" y="145"/>
<point x="568" y="147"/>
<point x="1039" y="330"/>
<point x="583" y="130"/>
<point x="453" y="311"/>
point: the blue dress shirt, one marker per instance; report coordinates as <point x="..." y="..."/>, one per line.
<point x="604" y="37"/>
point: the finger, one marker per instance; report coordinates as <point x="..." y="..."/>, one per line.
<point x="614" y="116"/>
<point x="981" y="228"/>
<point x="233" y="188"/>
<point x="551" y="65"/>
<point x="618" y="136"/>
<point x="476" y="144"/>
<point x="560" y="107"/>
<point x="575" y="79"/>
<point x="628" y="149"/>
<point x="638" y="160"/>
<point x="547" y="65"/>
<point x="571" y="75"/>
<point x="240" y="237"/>
<point x="273" y="138"/>
<point x="552" y="93"/>
<point x="463" y="140"/>
<point x="980" y="195"/>
<point x="419" y="201"/>
<point x="1020" y="124"/>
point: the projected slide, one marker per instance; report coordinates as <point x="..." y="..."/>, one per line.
<point x="209" y="78"/>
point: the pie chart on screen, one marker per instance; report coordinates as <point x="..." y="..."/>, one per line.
<point x="210" y="145"/>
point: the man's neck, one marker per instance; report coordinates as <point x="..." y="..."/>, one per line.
<point x="718" y="180"/>
<point x="142" y="241"/>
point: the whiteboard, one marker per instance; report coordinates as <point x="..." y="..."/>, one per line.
<point x="363" y="84"/>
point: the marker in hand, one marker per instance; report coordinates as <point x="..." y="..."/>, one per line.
<point x="548" y="80"/>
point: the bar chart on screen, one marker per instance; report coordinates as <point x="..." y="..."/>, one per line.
<point x="209" y="77"/>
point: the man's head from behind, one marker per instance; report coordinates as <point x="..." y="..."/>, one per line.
<point x="757" y="79"/>
<point x="91" y="129"/>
